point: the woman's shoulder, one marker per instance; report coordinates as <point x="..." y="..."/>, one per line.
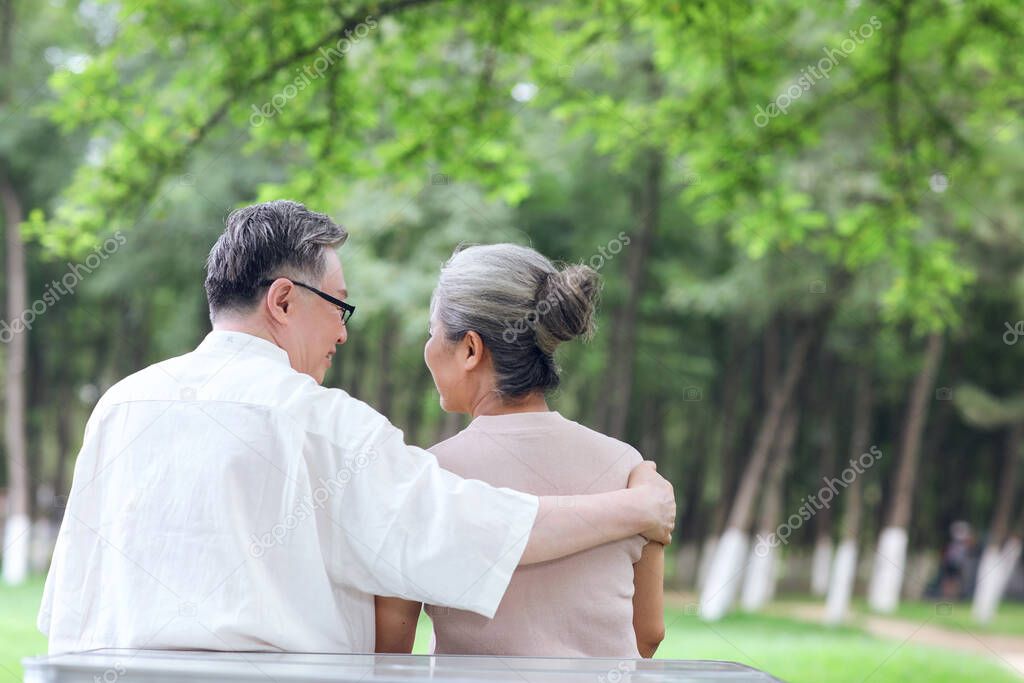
<point x="448" y="446"/>
<point x="603" y="442"/>
<point x="452" y="452"/>
<point x="473" y="450"/>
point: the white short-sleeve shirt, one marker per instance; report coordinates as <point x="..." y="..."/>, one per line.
<point x="224" y="501"/>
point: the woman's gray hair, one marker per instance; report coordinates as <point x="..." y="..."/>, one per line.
<point x="522" y="307"/>
<point x="278" y="238"/>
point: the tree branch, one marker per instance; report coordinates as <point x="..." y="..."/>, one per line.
<point x="943" y="121"/>
<point x="893" y="108"/>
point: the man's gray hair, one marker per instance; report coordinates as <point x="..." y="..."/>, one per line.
<point x="281" y="238"/>
<point x="522" y="307"/>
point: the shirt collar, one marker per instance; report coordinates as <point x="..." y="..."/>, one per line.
<point x="238" y="342"/>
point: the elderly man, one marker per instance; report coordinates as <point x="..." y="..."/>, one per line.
<point x="225" y="500"/>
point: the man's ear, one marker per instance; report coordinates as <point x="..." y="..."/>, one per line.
<point x="278" y="299"/>
<point x="471" y="350"/>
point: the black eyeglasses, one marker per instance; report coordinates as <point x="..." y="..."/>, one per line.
<point x="346" y="310"/>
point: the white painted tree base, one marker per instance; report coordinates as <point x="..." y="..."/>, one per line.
<point x="759" y="582"/>
<point x="16" y="549"/>
<point x="989" y="559"/>
<point x="820" y="566"/>
<point x="707" y="552"/>
<point x="724" y="575"/>
<point x="994" y="573"/>
<point x="887" y="574"/>
<point x="840" y="588"/>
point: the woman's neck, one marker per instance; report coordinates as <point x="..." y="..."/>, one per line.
<point x="492" y="404"/>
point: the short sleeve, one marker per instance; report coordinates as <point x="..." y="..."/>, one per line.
<point x="406" y="527"/>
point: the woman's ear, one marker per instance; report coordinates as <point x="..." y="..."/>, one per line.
<point x="471" y="350"/>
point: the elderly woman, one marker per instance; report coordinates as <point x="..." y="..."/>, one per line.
<point x="497" y="316"/>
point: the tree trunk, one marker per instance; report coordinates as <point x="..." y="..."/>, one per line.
<point x="891" y="555"/>
<point x="826" y="445"/>
<point x="386" y="348"/>
<point x="759" y="584"/>
<point x="926" y="534"/>
<point x="354" y="370"/>
<point x="770" y="362"/>
<point x="414" y="416"/>
<point x="707" y="555"/>
<point x="844" y="570"/>
<point x="739" y="517"/>
<point x="727" y="563"/>
<point x="16" y="530"/>
<point x="735" y="446"/>
<point x="43" y="534"/>
<point x="652" y="431"/>
<point x="687" y="561"/>
<point x="1000" y="554"/>
<point x="63" y="434"/>
<point x="693" y="494"/>
<point x="646" y="200"/>
<point x="35" y="397"/>
<point x="729" y="447"/>
<point x="1007" y="484"/>
<point x="729" y="441"/>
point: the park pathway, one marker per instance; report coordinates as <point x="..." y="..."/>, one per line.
<point x="1008" y="650"/>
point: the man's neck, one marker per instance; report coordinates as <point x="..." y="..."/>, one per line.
<point x="246" y="327"/>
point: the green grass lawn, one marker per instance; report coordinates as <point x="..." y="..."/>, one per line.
<point x="799" y="652"/>
<point x="956" y="616"/>
<point x="795" y="652"/>
<point x="18" y="635"/>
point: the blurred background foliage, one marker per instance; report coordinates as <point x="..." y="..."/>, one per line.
<point x="867" y="242"/>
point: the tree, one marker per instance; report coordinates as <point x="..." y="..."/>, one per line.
<point x="422" y="124"/>
<point x="761" y="573"/>
<point x="826" y="444"/>
<point x="727" y="565"/>
<point x="844" y="569"/>
<point x="16" y="530"/>
<point x="891" y="554"/>
<point x="1002" y="550"/>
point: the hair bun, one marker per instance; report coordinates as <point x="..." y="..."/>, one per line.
<point x="566" y="303"/>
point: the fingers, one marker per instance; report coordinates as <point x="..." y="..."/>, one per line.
<point x="636" y="475"/>
<point x="644" y="466"/>
<point x="659" y="535"/>
<point x="644" y="473"/>
<point x="670" y="519"/>
<point x="660" y="495"/>
<point x="662" y="533"/>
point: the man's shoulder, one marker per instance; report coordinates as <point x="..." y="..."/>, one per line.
<point x="334" y="414"/>
<point x="328" y="412"/>
<point x="153" y="377"/>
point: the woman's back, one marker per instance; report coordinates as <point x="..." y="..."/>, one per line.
<point x="580" y="605"/>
